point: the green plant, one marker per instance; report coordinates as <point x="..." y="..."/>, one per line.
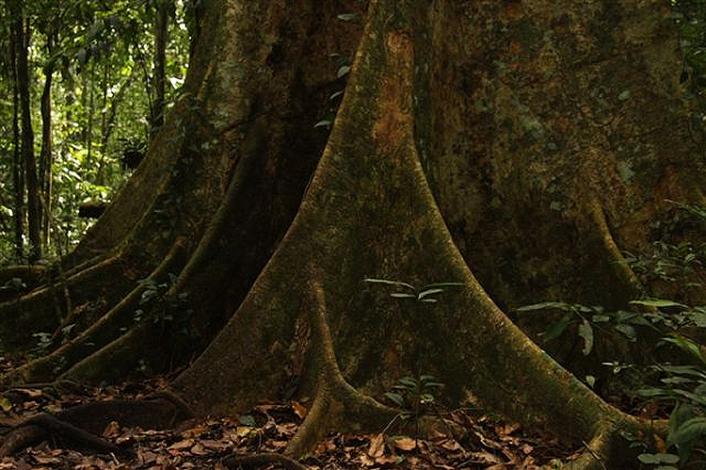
<point x="685" y="387"/>
<point x="414" y="394"/>
<point x="589" y="318"/>
<point x="158" y="305"/>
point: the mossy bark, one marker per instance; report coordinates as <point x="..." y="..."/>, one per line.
<point x="471" y="135"/>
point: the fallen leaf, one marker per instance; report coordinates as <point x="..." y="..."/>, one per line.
<point x="112" y="429"/>
<point x="386" y="460"/>
<point x="450" y="444"/>
<point x="377" y="446"/>
<point x="405" y="443"/>
<point x="199" y="450"/>
<point x="32" y="393"/>
<point x="46" y="460"/>
<point x="214" y="445"/>
<point x="485" y="458"/>
<point x="299" y="409"/>
<point x="181" y="445"/>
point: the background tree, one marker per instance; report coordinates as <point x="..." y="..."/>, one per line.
<point x="528" y="140"/>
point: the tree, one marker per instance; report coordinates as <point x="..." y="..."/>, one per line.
<point x="528" y="141"/>
<point x="161" y="29"/>
<point x="21" y="32"/>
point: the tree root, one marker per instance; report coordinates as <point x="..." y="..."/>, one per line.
<point x="605" y="450"/>
<point x="80" y="426"/>
<point x="336" y="403"/>
<point x="260" y="460"/>
<point x="620" y="267"/>
<point x="44" y="426"/>
<point x="100" y="332"/>
<point x="41" y="310"/>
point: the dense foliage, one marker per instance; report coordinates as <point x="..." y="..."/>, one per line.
<point x="101" y="56"/>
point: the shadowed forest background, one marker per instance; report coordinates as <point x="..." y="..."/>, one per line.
<point x="352" y="234"/>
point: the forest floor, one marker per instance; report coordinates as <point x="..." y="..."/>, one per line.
<point x="204" y="444"/>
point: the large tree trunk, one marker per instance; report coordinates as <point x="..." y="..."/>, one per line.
<point x="529" y="141"/>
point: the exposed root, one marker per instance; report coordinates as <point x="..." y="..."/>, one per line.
<point x="21" y="437"/>
<point x="80" y="426"/>
<point x="179" y="404"/>
<point x="620" y="266"/>
<point x="44" y="426"/>
<point x="113" y="360"/>
<point x="260" y="460"/>
<point x="42" y="310"/>
<point x="105" y="329"/>
<point x="609" y="448"/>
<point x="337" y="403"/>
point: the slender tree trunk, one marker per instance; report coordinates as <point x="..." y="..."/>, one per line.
<point x="46" y="158"/>
<point x="17" y="162"/>
<point x="22" y="31"/>
<point x="91" y="111"/>
<point x="109" y="126"/>
<point x="161" y="29"/>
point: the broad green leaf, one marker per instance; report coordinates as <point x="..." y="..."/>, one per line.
<point x="556" y="329"/>
<point x="600" y="318"/>
<point x="389" y="282"/>
<point x="689" y="431"/>
<point x="442" y="284"/>
<point x="395" y="398"/>
<point x="627" y="330"/>
<point x="686" y="345"/>
<point x="544" y="306"/>
<point x="402" y="295"/>
<point x="586" y="332"/>
<point x="648" y="459"/>
<point x="347" y="16"/>
<point x="658" y="303"/>
<point x="427" y="292"/>
<point x="407" y="382"/>
<point x="682" y="413"/>
<point x="343" y="71"/>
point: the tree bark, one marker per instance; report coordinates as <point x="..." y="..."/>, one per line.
<point x="30" y="164"/>
<point x="511" y="138"/>
<point x="161" y="30"/>
<point x="17" y="163"/>
<point x="46" y="158"/>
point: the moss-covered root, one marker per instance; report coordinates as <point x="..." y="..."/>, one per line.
<point x="631" y="285"/>
<point x="337" y="405"/>
<point x="610" y="446"/>
<point x="45" y="308"/>
<point x="81" y="426"/>
<point x="107" y="328"/>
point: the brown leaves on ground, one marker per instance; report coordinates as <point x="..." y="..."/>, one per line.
<point x="482" y="442"/>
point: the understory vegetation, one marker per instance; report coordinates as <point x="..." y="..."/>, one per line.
<point x="302" y="227"/>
